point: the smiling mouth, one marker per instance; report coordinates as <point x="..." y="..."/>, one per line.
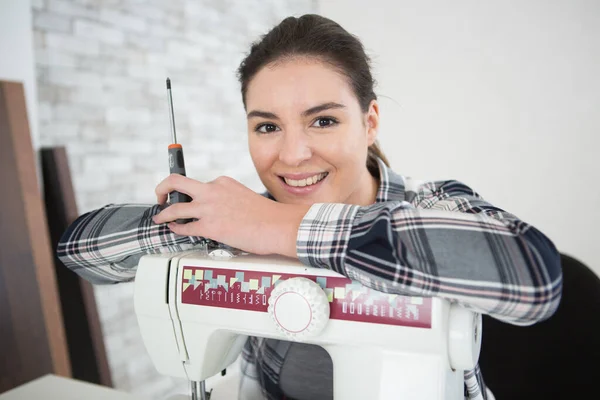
<point x="313" y="180"/>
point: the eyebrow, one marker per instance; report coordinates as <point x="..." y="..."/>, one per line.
<point x="310" y="111"/>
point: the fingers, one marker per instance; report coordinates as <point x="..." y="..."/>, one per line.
<point x="189" y="229"/>
<point x="176" y="182"/>
<point x="177" y="211"/>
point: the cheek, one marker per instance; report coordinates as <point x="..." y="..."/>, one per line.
<point x="344" y="147"/>
<point x="261" y="154"/>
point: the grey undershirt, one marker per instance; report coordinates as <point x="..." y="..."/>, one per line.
<point x="307" y="373"/>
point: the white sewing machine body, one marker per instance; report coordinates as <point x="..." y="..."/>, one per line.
<point x="195" y="313"/>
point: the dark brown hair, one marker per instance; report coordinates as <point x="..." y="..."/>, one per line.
<point x="316" y="36"/>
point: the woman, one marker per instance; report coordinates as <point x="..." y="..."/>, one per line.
<point x="332" y="202"/>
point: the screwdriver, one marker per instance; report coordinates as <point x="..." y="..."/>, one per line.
<point x="176" y="163"/>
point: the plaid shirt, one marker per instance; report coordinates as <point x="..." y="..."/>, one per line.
<point x="418" y="239"/>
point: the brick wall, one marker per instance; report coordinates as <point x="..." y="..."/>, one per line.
<point x="101" y="68"/>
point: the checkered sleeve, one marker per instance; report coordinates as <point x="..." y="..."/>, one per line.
<point x="443" y="241"/>
<point x="105" y="245"/>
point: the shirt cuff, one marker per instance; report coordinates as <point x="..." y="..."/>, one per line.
<point x="324" y="234"/>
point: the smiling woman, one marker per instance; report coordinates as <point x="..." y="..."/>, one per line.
<point x="332" y="202"/>
<point x="298" y="136"/>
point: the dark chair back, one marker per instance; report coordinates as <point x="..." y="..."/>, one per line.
<point x="555" y="359"/>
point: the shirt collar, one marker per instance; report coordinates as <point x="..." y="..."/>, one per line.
<point x="391" y="185"/>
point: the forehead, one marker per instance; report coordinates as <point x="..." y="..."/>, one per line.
<point x="297" y="83"/>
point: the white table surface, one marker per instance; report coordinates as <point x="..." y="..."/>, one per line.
<point x="61" y="388"/>
<point x="58" y="387"/>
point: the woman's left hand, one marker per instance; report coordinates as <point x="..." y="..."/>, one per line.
<point x="231" y="213"/>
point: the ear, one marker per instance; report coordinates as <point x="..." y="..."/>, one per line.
<point x="372" y="122"/>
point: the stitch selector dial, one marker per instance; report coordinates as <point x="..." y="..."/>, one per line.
<point x="299" y="308"/>
<point x="220" y="254"/>
<point x="219" y="251"/>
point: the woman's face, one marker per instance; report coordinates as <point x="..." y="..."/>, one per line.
<point x="307" y="135"/>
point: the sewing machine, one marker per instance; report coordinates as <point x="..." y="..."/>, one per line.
<point x="195" y="311"/>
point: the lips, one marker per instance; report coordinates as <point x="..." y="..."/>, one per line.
<point x="308" y="181"/>
<point x="302" y="184"/>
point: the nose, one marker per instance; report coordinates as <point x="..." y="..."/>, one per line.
<point x="295" y="148"/>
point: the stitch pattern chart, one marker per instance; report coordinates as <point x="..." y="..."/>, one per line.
<point x="349" y="300"/>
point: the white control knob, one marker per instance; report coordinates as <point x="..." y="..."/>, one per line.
<point x="464" y="338"/>
<point x="299" y="308"/>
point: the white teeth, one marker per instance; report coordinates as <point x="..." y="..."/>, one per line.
<point x="306" y="182"/>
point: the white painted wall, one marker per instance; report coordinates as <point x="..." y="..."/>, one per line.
<point x="504" y="96"/>
<point x="101" y="68"/>
<point x="16" y="54"/>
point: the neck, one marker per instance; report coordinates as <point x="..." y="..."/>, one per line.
<point x="367" y="194"/>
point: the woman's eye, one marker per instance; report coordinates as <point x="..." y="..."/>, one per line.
<point x="266" y="128"/>
<point x="324" y="122"/>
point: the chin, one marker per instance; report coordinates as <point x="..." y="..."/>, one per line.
<point x="288" y="198"/>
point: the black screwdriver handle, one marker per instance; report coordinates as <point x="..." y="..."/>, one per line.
<point x="177" y="166"/>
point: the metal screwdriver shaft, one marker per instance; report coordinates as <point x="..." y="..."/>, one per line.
<point x="176" y="163"/>
<point x="171" y="112"/>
